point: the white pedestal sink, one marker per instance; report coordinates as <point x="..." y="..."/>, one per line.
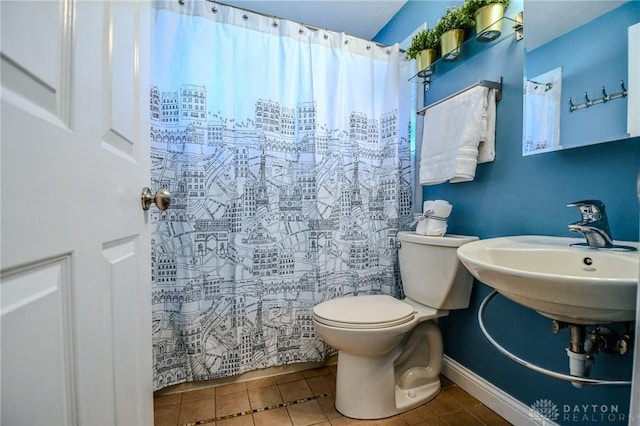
<point x="577" y="285"/>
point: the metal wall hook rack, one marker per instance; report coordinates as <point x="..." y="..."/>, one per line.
<point x="604" y="98"/>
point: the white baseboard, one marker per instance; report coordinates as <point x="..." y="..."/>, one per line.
<point x="505" y="405"/>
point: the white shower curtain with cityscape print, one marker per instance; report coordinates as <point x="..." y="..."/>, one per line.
<point x="287" y="154"/>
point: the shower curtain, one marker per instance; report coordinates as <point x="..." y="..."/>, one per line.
<point x="287" y="154"/>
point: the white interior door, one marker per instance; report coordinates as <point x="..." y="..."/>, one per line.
<point x="75" y="262"/>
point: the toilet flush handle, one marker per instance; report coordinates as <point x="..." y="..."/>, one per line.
<point x="398" y="245"/>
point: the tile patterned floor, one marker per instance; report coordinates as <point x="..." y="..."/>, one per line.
<point x="306" y="398"/>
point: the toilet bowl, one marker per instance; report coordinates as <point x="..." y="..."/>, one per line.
<point x="389" y="350"/>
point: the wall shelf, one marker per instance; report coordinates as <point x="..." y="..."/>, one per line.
<point x="470" y="48"/>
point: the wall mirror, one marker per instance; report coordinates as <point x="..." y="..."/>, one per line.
<point x="588" y="43"/>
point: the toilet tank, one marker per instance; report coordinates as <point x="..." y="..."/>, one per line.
<point x="431" y="272"/>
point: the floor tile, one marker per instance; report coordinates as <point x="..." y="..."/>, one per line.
<point x="232" y="403"/>
<point x="460" y="395"/>
<point x="488" y="416"/>
<point x="169" y="399"/>
<point x="445" y="382"/>
<point x="260" y="383"/>
<point x="166" y="415"/>
<point x="434" y="422"/>
<point x="325" y="384"/>
<point x="199" y="409"/>
<point x="289" y="377"/>
<point x="419" y="415"/>
<point x="275" y="417"/>
<point x="231" y="388"/>
<point x="328" y="405"/>
<point x="199" y="394"/>
<point x="453" y="406"/>
<point x="246" y="420"/>
<point x="294" y="391"/>
<point x="333" y="368"/>
<point x="443" y="404"/>
<point x="461" y="418"/>
<point x="320" y="371"/>
<point x="346" y="421"/>
<point x="306" y="413"/>
<point x="265" y="397"/>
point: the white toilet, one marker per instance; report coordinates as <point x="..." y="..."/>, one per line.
<point x="390" y="350"/>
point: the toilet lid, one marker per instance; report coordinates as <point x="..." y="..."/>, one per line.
<point x="370" y="311"/>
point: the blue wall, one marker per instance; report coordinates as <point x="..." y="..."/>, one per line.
<point x="527" y="195"/>
<point x="598" y="58"/>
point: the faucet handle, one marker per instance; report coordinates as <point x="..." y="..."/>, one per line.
<point x="590" y="209"/>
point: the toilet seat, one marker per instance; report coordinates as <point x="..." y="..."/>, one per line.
<point x="363" y="312"/>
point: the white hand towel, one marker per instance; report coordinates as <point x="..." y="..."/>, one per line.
<point x="421" y="228"/>
<point x="457" y="134"/>
<point x="436" y="213"/>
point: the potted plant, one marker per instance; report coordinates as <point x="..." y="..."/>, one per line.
<point x="487" y="15"/>
<point x="450" y="29"/>
<point x="423" y="49"/>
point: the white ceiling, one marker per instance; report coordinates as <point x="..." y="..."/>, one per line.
<point x="544" y="20"/>
<point x="358" y="18"/>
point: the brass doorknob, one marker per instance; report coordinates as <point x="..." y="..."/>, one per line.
<point x="162" y="198"/>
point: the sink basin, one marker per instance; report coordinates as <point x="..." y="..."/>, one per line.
<point x="578" y="285"/>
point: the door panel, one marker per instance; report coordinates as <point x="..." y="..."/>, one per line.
<point x="75" y="155"/>
<point x="35" y="303"/>
<point x="34" y="62"/>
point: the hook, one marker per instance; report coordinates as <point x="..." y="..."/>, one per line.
<point x="587" y="98"/>
<point x="571" y="103"/>
<point x="624" y="89"/>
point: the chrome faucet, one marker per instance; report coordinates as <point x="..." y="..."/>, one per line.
<point x="594" y="224"/>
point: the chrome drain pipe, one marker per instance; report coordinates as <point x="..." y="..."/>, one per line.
<point x="576" y="380"/>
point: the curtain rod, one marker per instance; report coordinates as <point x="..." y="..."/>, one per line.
<point x="484" y="83"/>
<point x="311" y="27"/>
